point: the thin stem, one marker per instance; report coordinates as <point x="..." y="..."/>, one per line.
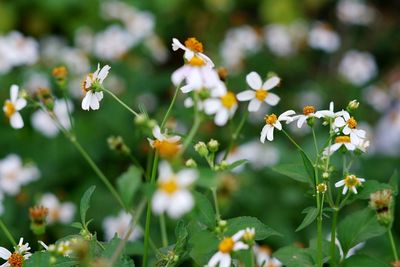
<point x="163" y="227"/>
<point x="319" y="232"/>
<point x="393" y="245"/>
<point x="170" y="107"/>
<point x="120" y="101"/>
<point x="235" y="135"/>
<point x="315" y="144"/>
<point x="135" y="161"/>
<point x="333" y="236"/>
<point x="214" y="193"/>
<point x="7" y="233"/>
<point x="192" y="133"/>
<point x="292" y="140"/>
<point x="148" y="213"/>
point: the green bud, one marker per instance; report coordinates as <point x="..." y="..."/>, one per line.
<point x="213" y="145"/>
<point x="191" y="163"/>
<point x="353" y="105"/>
<point x="201" y="148"/>
<point x="117" y="143"/>
<point x="223" y="165"/>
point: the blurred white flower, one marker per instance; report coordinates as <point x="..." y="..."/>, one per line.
<point x="348" y="126"/>
<point x="13" y="174"/>
<point x="120" y="225"/>
<point x="36" y="80"/>
<point x="386" y="140"/>
<point x="355" y="12"/>
<point x="358" y="67"/>
<point x="157" y="48"/>
<point x="274" y="122"/>
<point x="377" y="97"/>
<point x="42" y="122"/>
<point x="90" y="86"/>
<point x="222" y="103"/>
<point x="193" y="52"/>
<point x="167" y="146"/>
<point x="12" y="106"/>
<point x="76" y="60"/>
<point x="263" y="257"/>
<point x="322" y="36"/>
<point x="350" y="182"/>
<point x="58" y="212"/>
<point x="172" y="195"/>
<point x="16" y="258"/>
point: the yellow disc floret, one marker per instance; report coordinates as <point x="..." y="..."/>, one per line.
<point x="352" y="123"/>
<point x="261" y="94"/>
<point x="165" y="148"/>
<point x="342" y="139"/>
<point x="9" y="108"/>
<point x="169" y="186"/>
<point x="271" y="119"/>
<point x="351" y="181"/>
<point x="229" y="100"/>
<point x="194" y="45"/>
<point x="196" y="61"/>
<point x="15" y="260"/>
<point x="308" y="110"/>
<point x="226" y="245"/>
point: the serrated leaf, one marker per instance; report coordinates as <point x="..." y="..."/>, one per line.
<point x="311" y="215"/>
<point x="240" y="223"/>
<point x="293" y="171"/>
<point x="128" y="184"/>
<point x="308" y="166"/>
<point x="294" y="257"/>
<point x="363" y="261"/>
<point x="358" y="227"/>
<point x="237" y="164"/>
<point x="204" y="211"/>
<point x="85" y="203"/>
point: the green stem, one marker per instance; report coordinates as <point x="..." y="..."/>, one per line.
<point x="163" y="227"/>
<point x="136" y="161"/>
<point x="170" y="107"/>
<point x="315" y="144"/>
<point x="235" y="135"/>
<point x="319" y="230"/>
<point x="393" y="245"/>
<point x="120" y="101"/>
<point x="333" y="236"/>
<point x="214" y="193"/>
<point x="148" y="213"/>
<point x="192" y="133"/>
<point x="7" y="233"/>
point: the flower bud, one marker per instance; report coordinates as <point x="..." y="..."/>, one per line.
<point x="223" y="165"/>
<point x="117" y="143"/>
<point x="213" y="145"/>
<point x="201" y="148"/>
<point x="249" y="235"/>
<point x="60" y="74"/>
<point x="222" y="73"/>
<point x="37" y="215"/>
<point x="381" y="202"/>
<point x="325" y="175"/>
<point x="353" y="105"/>
<point x="321" y="188"/>
<point x="191" y="163"/>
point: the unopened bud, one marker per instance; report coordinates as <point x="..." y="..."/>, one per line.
<point x="325" y="175"/>
<point x="201" y="148"/>
<point x="213" y="145"/>
<point x="60" y="74"/>
<point x="321" y="188"/>
<point x="222" y="73"/>
<point x="117" y="143"/>
<point x="223" y="165"/>
<point x="353" y="105"/>
<point x="37" y="215"/>
<point x="191" y="163"/>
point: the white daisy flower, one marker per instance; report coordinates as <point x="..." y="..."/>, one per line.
<point x="120" y="225"/>
<point x="12" y="106"/>
<point x="193" y="50"/>
<point x="228" y="245"/>
<point x="172" y="195"/>
<point x="340" y="141"/>
<point x="166" y="146"/>
<point x="13" y="174"/>
<point x="222" y="103"/>
<point x="58" y="212"/>
<point x="16" y="258"/>
<point x="260" y="92"/>
<point x="358" y="67"/>
<point x="329" y="113"/>
<point x="92" y="86"/>
<point x="272" y="122"/>
<point x="348" y="125"/>
<point x="350" y="182"/>
<point x="322" y="36"/>
<point x="308" y="112"/>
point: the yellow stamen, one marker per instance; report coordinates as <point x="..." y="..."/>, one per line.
<point x="194" y="45"/>
<point x="261" y="94"/>
<point x="352" y="123"/>
<point x="342" y="139"/>
<point x="308" y="110"/>
<point x="15" y="260"/>
<point x="351" y="181"/>
<point x="9" y="108"/>
<point x="166" y="149"/>
<point x="169" y="186"/>
<point x="226" y="245"/>
<point x="83" y="83"/>
<point x="228" y="100"/>
<point x="271" y="119"/>
<point x="196" y="61"/>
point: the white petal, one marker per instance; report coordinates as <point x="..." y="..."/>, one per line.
<point x="278" y="125"/>
<point x="238" y="235"/>
<point x="20" y="103"/>
<point x="176" y="44"/>
<point x="181" y="202"/>
<point x="284" y="115"/>
<point x="221" y="117"/>
<point x="211" y="106"/>
<point x="99" y="95"/>
<point x="94" y="102"/>
<point x="96" y="73"/>
<point x="339" y="122"/>
<point x="207" y="59"/>
<point x="160" y="202"/>
<point x="14" y="93"/>
<point x="350" y="146"/>
<point x="254" y="80"/>
<point x="103" y="73"/>
<point x="264" y="133"/>
<point x="239" y="246"/>
<point x="339" y="184"/>
<point x="254" y="105"/>
<point x="189" y="54"/>
<point x="354" y="189"/>
<point x="270" y="134"/>
<point x="215" y="259"/>
<point x="4" y="253"/>
<point x="345" y="188"/>
<point x="246" y="95"/>
<point x="301" y="120"/>
<point x="186" y="177"/>
<point x="164" y="171"/>
<point x="271" y="83"/>
<point x="157" y="133"/>
<point x="86" y="101"/>
<point x="16" y="121"/>
<point x="225" y="260"/>
<point x="179" y="75"/>
<point x="272" y="99"/>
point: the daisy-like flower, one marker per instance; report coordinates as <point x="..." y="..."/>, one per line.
<point x="92" y="86"/>
<point x="193" y="50"/>
<point x="272" y="122"/>
<point x="260" y="92"/>
<point x="166" y="146"/>
<point x="63" y="248"/>
<point x="172" y="195"/>
<point x="16" y="258"/>
<point x="342" y="140"/>
<point x="222" y="103"/>
<point x="328" y="113"/>
<point x="58" y="212"/>
<point x="12" y="107"/>
<point x="308" y="112"/>
<point x="350" y="182"/>
<point x="227" y="245"/>
<point x="120" y="225"/>
<point x="349" y="127"/>
<point x="263" y="257"/>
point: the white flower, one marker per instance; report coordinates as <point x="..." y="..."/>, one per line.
<point x="350" y="182"/>
<point x="358" y="67"/>
<point x="63" y="248"/>
<point x="272" y="122"/>
<point x="351" y="251"/>
<point x="12" y="106"/>
<point x="348" y="125"/>
<point x="172" y="195"/>
<point x="355" y="12"/>
<point x="260" y="92"/>
<point x="166" y="146"/>
<point x="279" y="40"/>
<point x="13" y="174"/>
<point x="228" y="245"/>
<point x="91" y="85"/>
<point x="120" y="225"/>
<point x="193" y="50"/>
<point x="322" y="37"/>
<point x="308" y="112"/>
<point x="222" y="103"/>
<point x="329" y="113"/>
<point x="16" y="258"/>
<point x="58" y="212"/>
<point x="340" y="141"/>
<point x="42" y="122"/>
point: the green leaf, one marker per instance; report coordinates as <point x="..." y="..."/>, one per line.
<point x="362" y="261"/>
<point x="45" y="259"/>
<point x="204" y="211"/>
<point x="369" y="187"/>
<point x="240" y="223"/>
<point x="394" y="182"/>
<point x="293" y="171"/>
<point x="85" y="203"/>
<point x="358" y="227"/>
<point x="181" y="234"/>
<point x="236" y="164"/>
<point x="204" y="244"/>
<point x="111" y="247"/>
<point x="207" y="178"/>
<point x="128" y="184"/>
<point x="295" y="257"/>
<point x="308" y="166"/>
<point x="76" y="225"/>
<point x="311" y="215"/>
<point x="244" y="256"/>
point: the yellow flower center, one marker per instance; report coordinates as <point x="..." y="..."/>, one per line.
<point x="166" y="149"/>
<point x="321" y="188"/>
<point x="228" y="100"/>
<point x="15" y="260"/>
<point x="352" y="123"/>
<point x="226" y="245"/>
<point x="169" y="186"/>
<point x="271" y="119"/>
<point x="194" y="45"/>
<point x="84" y="85"/>
<point x="196" y="61"/>
<point x="248" y="236"/>
<point x="351" y="181"/>
<point x="9" y="108"/>
<point x="342" y="139"/>
<point x="261" y="94"/>
<point x="308" y="110"/>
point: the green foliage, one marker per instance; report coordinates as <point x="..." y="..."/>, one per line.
<point x="111" y="248"/>
<point x="311" y="215"/>
<point x="240" y="223"/>
<point x="204" y="211"/>
<point x="128" y="184"/>
<point x="309" y="167"/>
<point x="46" y="259"/>
<point x="363" y="261"/>
<point x="204" y="244"/>
<point x="293" y="171"/>
<point x="295" y="257"/>
<point x="85" y="203"/>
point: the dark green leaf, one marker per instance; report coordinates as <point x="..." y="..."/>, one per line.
<point x="394" y="182"/>
<point x="311" y="215"/>
<point x="369" y="187"/>
<point x="204" y="211"/>
<point x="204" y="244"/>
<point x="128" y="183"/>
<point x="293" y="171"/>
<point x="110" y="249"/>
<point x="308" y="166"/>
<point x="85" y="203"/>
<point x="240" y="223"/>
<point x="295" y="257"/>
<point x="244" y="256"/>
<point x="237" y="164"/>
<point x="363" y="261"/>
<point x="45" y="259"/>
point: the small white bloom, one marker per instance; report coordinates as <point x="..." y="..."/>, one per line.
<point x="90" y="86"/>
<point x="329" y="113"/>
<point x="340" y="141"/>
<point x="222" y="103"/>
<point x="260" y="92"/>
<point x="120" y="225"/>
<point x="322" y="37"/>
<point x="228" y="245"/>
<point x="348" y="126"/>
<point x="274" y="122"/>
<point x="20" y="254"/>
<point x="58" y="212"/>
<point x="358" y="67"/>
<point x="12" y="106"/>
<point x="350" y="182"/>
<point x="172" y="195"/>
<point x="355" y="12"/>
<point x="166" y="146"/>
<point x="308" y="112"/>
<point x="279" y="40"/>
<point x="193" y="49"/>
